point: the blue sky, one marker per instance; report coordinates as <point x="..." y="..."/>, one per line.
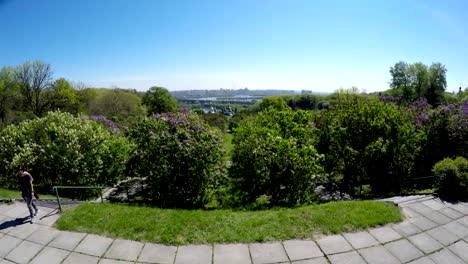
<point x="259" y="44"/>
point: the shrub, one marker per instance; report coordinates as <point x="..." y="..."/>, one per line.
<point x="452" y="177"/>
<point x="60" y="149"/>
<point x="274" y="159"/>
<point x="367" y="142"/>
<point x="446" y="130"/>
<point x="180" y="155"/>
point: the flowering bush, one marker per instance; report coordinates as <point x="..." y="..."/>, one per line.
<point x="446" y="130"/>
<point x="367" y="141"/>
<point x="180" y="155"/>
<point x="60" y="149"/>
<point x="274" y="159"/>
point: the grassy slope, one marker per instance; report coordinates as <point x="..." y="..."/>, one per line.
<point x="221" y="226"/>
<point x="228" y="146"/>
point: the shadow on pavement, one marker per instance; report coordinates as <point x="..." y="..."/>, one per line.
<point x="14" y="222"/>
<point x="51" y="213"/>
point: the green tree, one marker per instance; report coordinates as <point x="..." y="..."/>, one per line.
<point x="437" y="84"/>
<point x="116" y="103"/>
<point x="401" y="78"/>
<point x="63" y="97"/>
<point x="9" y="94"/>
<point x="275" y="102"/>
<point x="159" y="100"/>
<point x="414" y="81"/>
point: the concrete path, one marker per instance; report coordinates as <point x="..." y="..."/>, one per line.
<point x="433" y="232"/>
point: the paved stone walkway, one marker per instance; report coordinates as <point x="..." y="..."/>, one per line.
<point x="433" y="232"/>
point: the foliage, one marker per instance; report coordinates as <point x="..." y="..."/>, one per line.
<point x="159" y="100"/>
<point x="453" y="177"/>
<point x="226" y="226"/>
<point x="180" y="155"/>
<point x="274" y="157"/>
<point x="414" y="81"/>
<point x="217" y="120"/>
<point x="367" y="142"/>
<point x="275" y="102"/>
<point x="446" y="130"/>
<point x="64" y="98"/>
<point x="60" y="149"/>
<point x="118" y="104"/>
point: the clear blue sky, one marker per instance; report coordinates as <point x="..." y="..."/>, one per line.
<point x="210" y="44"/>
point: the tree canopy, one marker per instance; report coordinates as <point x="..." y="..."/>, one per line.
<point x="159" y="100"/>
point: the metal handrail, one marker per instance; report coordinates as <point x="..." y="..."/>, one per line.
<point x="55" y="190"/>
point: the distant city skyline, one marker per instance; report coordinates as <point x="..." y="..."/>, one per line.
<point x="319" y="45"/>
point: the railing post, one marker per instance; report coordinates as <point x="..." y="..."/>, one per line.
<point x="58" y="199"/>
<point x="102" y="200"/>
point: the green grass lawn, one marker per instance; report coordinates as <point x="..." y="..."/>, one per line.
<point x="15" y="194"/>
<point x="222" y="226"/>
<point x="228" y="146"/>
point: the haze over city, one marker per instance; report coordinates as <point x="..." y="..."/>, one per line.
<point x="294" y="45"/>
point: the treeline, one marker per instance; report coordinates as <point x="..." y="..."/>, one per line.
<point x="29" y="90"/>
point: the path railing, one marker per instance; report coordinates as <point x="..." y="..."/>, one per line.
<point x="56" y="191"/>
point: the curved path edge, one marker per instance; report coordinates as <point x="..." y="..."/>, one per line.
<point x="434" y="231"/>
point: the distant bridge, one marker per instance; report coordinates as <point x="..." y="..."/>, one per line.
<point x="212" y="101"/>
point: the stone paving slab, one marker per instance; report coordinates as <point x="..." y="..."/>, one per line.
<point x="361" y="239"/>
<point x="463" y="221"/>
<point x="320" y="260"/>
<point x="378" y="255"/>
<point x="442" y="235"/>
<point x="43" y="235"/>
<point x="124" y="250"/>
<point x="420" y="208"/>
<point x="8" y="243"/>
<point x="445" y="256"/>
<point x="460" y="249"/>
<point x="94" y="245"/>
<point x="425" y="242"/>
<point x="50" y="255"/>
<point x="460" y="208"/>
<point x="23" y="231"/>
<point x="113" y="261"/>
<point x="404" y="250"/>
<point x="267" y="253"/>
<point x="457" y="229"/>
<point x="351" y="257"/>
<point x="334" y="244"/>
<point x="384" y="234"/>
<point x="67" y="240"/>
<point x="24" y="252"/>
<point x="438" y="218"/>
<point x="434" y="204"/>
<point x="231" y="254"/>
<point x="423" y="223"/>
<point x="77" y="258"/>
<point x="155" y="253"/>
<point x="194" y="254"/>
<point x="302" y="249"/>
<point x="452" y="213"/>
<point x="406" y="229"/>
<point x="423" y="260"/>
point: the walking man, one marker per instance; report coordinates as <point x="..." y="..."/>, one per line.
<point x="27" y="191"/>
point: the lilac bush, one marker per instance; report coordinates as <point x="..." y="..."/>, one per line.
<point x="180" y="155"/>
